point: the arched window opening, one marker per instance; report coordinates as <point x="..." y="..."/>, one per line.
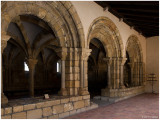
<point x="26" y="67"/>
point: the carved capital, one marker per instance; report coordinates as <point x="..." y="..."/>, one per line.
<point x="4" y="39"/>
<point x="62" y="53"/>
<point x="3" y="45"/>
<point x="108" y="60"/>
<point x="122" y="61"/>
<point x="31" y="63"/>
<point x="85" y="53"/>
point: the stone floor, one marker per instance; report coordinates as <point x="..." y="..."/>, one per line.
<point x="144" y="106"/>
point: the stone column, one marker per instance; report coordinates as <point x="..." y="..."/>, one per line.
<point x="62" y="53"/>
<point x="141" y="73"/>
<point x="114" y="73"/>
<point x="117" y="74"/>
<point x="4" y="39"/>
<point x="132" y="70"/>
<point x="138" y="73"/>
<point x="109" y="62"/>
<point x="122" y="62"/>
<point x="31" y="65"/>
<point x="83" y="72"/>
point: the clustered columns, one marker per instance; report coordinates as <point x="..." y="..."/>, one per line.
<point x="141" y="64"/>
<point x="115" y="72"/>
<point x="122" y="62"/>
<point x="62" y="53"/>
<point x="132" y="74"/>
<point x="84" y="54"/>
<point x="136" y="73"/>
<point x="4" y="39"/>
<point x="31" y="65"/>
<point x="109" y="63"/>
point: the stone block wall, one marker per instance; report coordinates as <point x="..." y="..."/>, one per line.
<point x="123" y="92"/>
<point x="50" y="109"/>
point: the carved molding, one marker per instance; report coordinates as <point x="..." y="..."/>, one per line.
<point x="31" y="63"/>
<point x="4" y="39"/>
<point x="85" y="53"/>
<point x="108" y="60"/>
<point x="122" y="61"/>
<point x="62" y="53"/>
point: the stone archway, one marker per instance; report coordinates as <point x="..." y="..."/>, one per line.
<point x="62" y="19"/>
<point x="106" y="31"/>
<point x="136" y="64"/>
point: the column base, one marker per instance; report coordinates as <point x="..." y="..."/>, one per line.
<point x="4" y="99"/>
<point x="63" y="92"/>
<point x="82" y="91"/>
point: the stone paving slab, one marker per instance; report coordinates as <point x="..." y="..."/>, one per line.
<point x="144" y="106"/>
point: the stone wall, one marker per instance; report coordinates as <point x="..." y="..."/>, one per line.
<point x="49" y="109"/>
<point x="123" y="92"/>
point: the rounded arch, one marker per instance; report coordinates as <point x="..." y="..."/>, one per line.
<point x="61" y="17"/>
<point x="106" y="31"/>
<point x="134" y="49"/>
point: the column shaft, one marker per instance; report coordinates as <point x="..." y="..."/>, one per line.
<point x="121" y="77"/>
<point x="31" y="82"/>
<point x="31" y="64"/>
<point x="109" y="76"/>
<point x="117" y="73"/>
<point x="63" y="75"/>
<point x="114" y="74"/>
<point x="81" y="85"/>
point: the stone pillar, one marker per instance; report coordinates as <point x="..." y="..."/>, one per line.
<point x="109" y="62"/>
<point x="114" y="73"/>
<point x="117" y="74"/>
<point x="4" y="39"/>
<point x="138" y="73"/>
<point x="62" y="53"/>
<point x="122" y="62"/>
<point x="132" y="73"/>
<point x="31" y="65"/>
<point x="141" y="73"/>
<point x="84" y="53"/>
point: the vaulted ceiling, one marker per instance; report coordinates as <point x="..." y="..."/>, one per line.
<point x="143" y="16"/>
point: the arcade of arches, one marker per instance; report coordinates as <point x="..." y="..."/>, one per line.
<point x="44" y="50"/>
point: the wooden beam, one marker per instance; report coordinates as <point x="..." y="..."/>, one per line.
<point x="140" y="15"/>
<point x="136" y="3"/>
<point x="141" y="20"/>
<point x="137" y="10"/>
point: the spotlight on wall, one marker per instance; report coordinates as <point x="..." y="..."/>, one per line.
<point x="120" y="19"/>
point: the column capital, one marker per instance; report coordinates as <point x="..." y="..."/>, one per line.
<point x="31" y="63"/>
<point x="84" y="53"/>
<point x="4" y="39"/>
<point x="122" y="60"/>
<point x="108" y="60"/>
<point x="62" y="53"/>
